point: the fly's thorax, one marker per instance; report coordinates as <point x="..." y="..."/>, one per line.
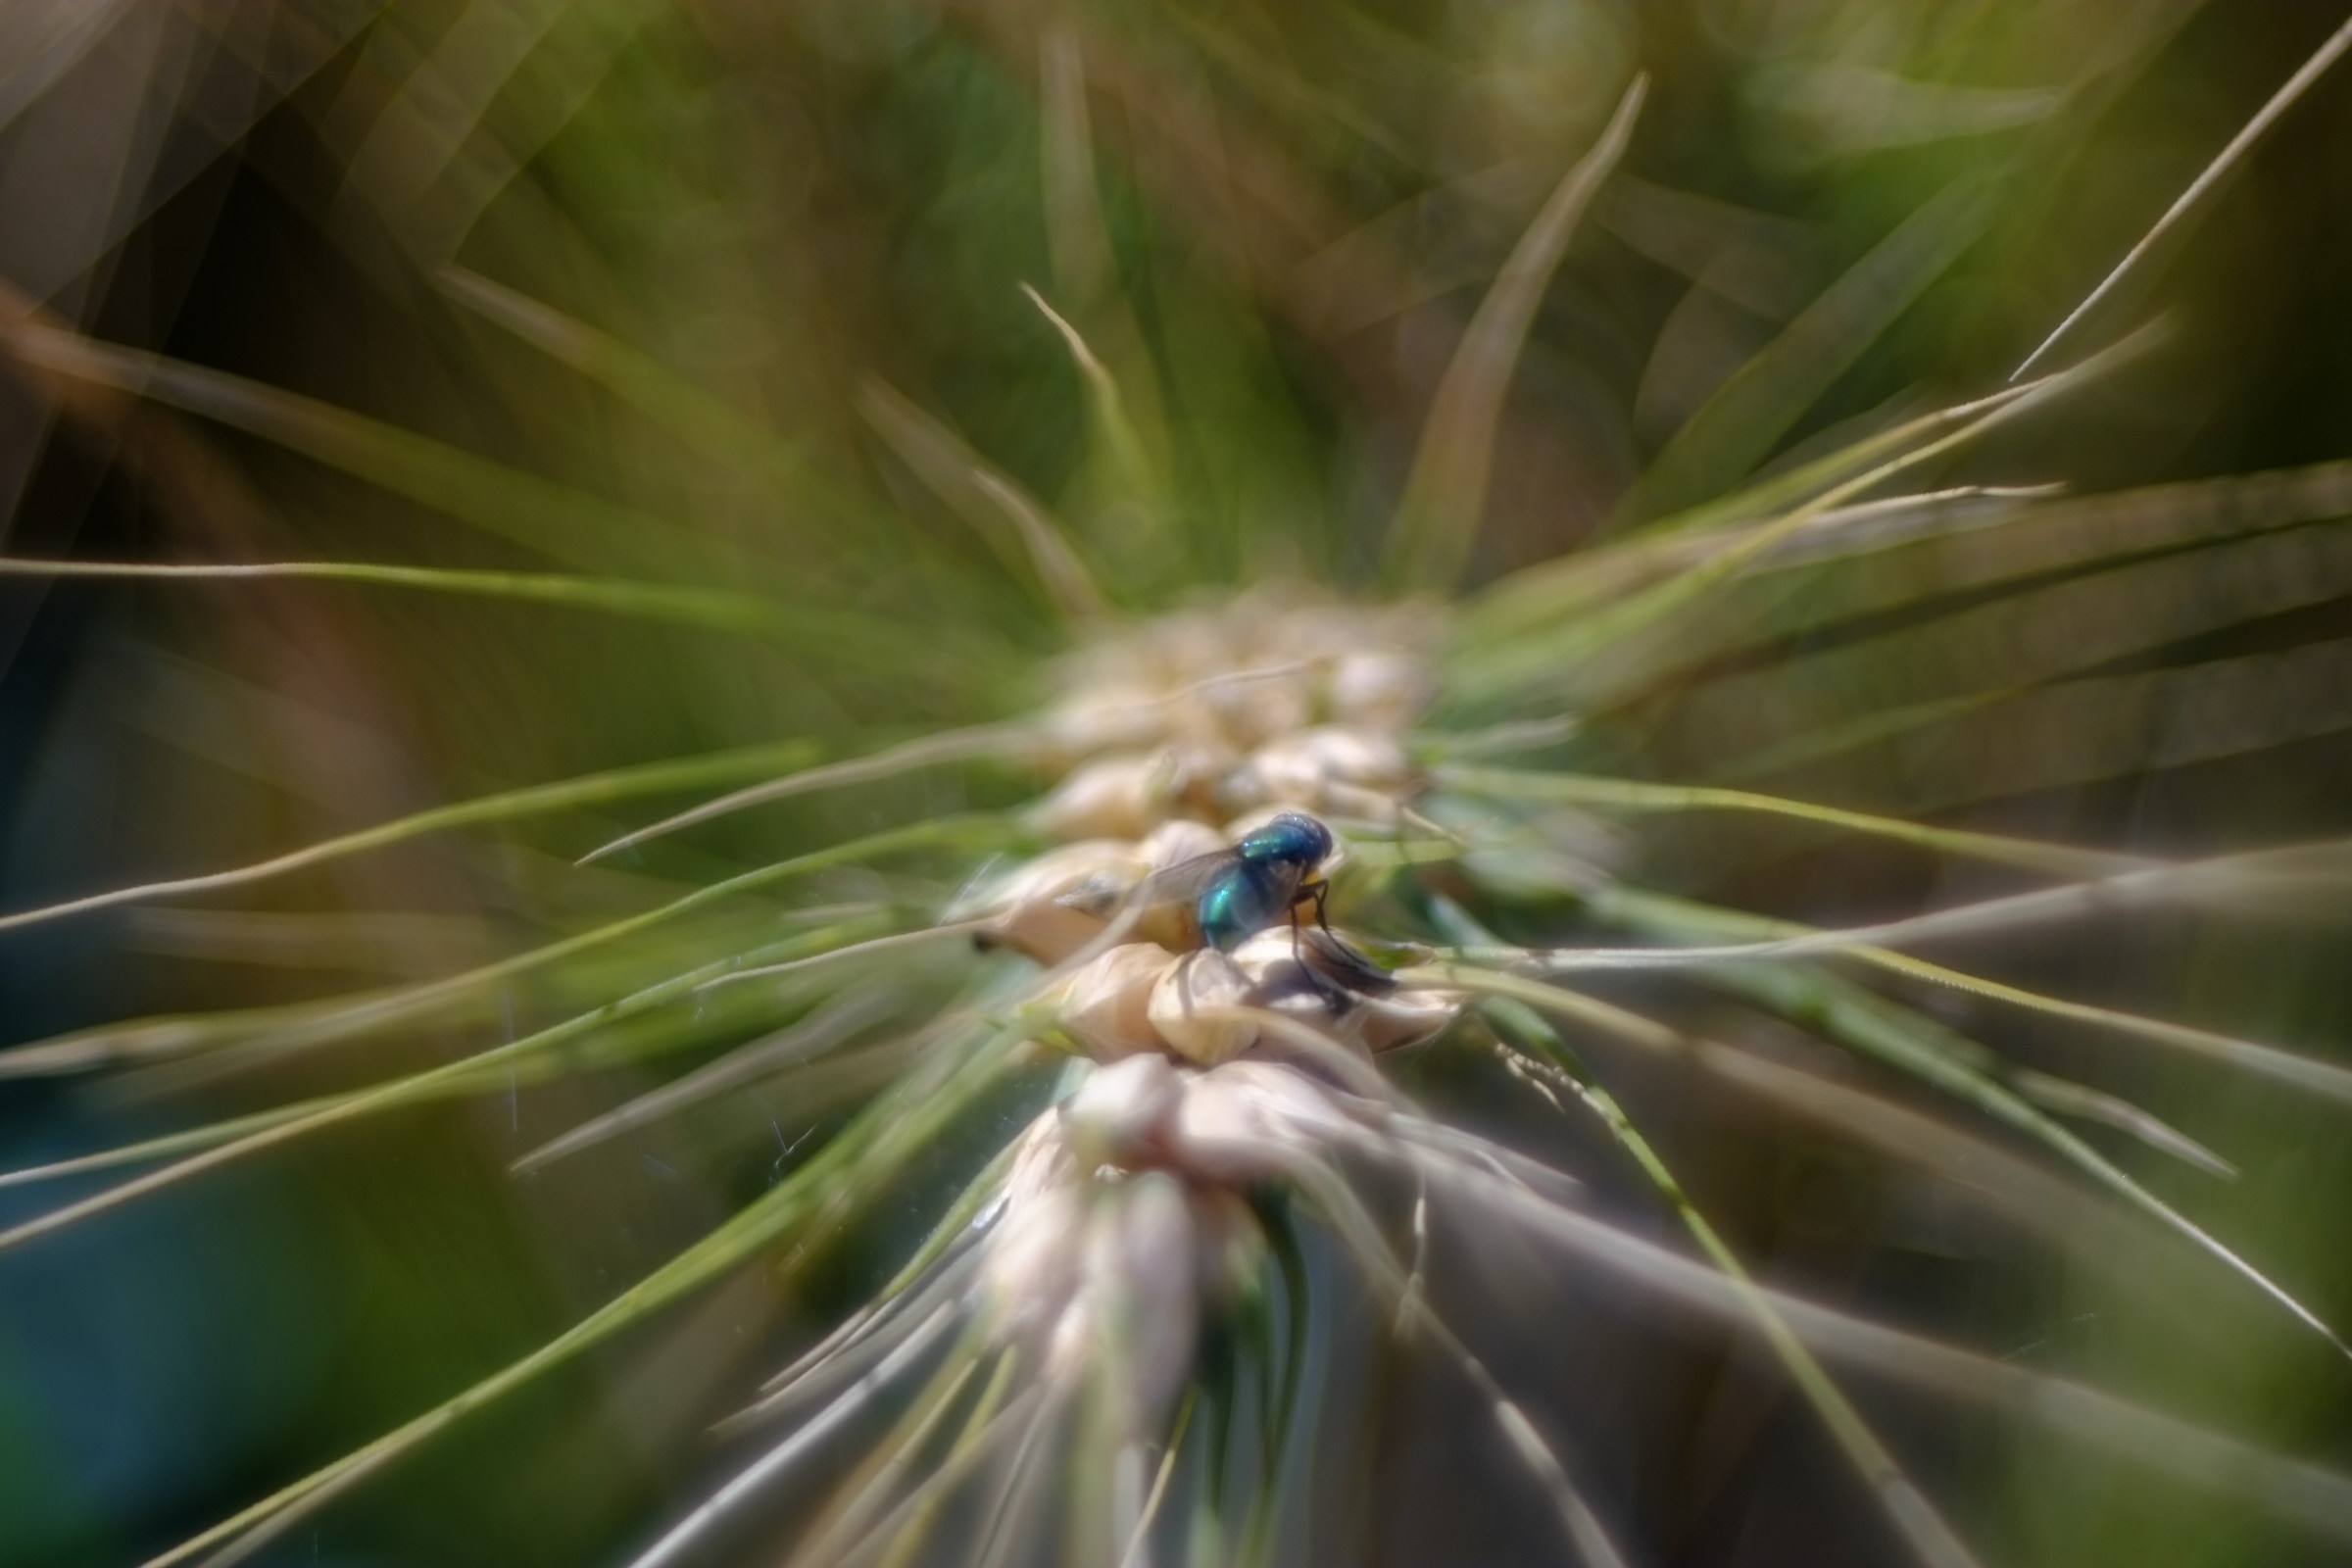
<point x="1291" y="838"/>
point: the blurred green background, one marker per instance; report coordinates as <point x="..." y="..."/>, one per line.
<point x="692" y="292"/>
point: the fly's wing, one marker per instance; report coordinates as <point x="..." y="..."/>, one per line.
<point x="1184" y="881"/>
<point x="1162" y="907"/>
<point x="1165" y="906"/>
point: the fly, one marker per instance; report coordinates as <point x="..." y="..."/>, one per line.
<point x="1228" y="896"/>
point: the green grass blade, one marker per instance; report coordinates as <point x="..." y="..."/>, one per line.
<point x="1867" y="560"/>
<point x="2287" y="1489"/>
<point x="2024" y="1192"/>
<point x="1566" y="657"/>
<point x="712" y="426"/>
<point x="1902" y="1039"/>
<point x="1536" y="597"/>
<point x="2260" y="873"/>
<point x="563" y="523"/>
<point x="881" y="1138"/>
<point x="212" y="1135"/>
<point x="405" y="1091"/>
<point x="538" y="799"/>
<point x="2088" y="729"/>
<point x="1881" y="560"/>
<point x="2219" y="880"/>
<point x="1638" y="796"/>
<point x="206" y="1045"/>
<point x="1750" y="413"/>
<point x="1929" y="1538"/>
<point x="710" y="607"/>
<point x="160" y="1039"/>
<point x="1438" y="520"/>
<point x="1681" y="919"/>
<point x="2011" y="644"/>
<point x="166" y="1147"/>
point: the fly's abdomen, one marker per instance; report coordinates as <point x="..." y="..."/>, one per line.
<point x="1246" y="900"/>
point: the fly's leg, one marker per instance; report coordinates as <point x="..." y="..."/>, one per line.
<point x="1319" y="890"/>
<point x="1335" y="995"/>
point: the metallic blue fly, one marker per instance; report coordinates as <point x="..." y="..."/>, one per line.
<point x="1232" y="895"/>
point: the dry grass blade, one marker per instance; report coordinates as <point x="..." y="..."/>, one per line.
<point x="2288" y="1489"/>
<point x="1438" y="520"/>
<point x="984" y="498"/>
<point x="884" y="1474"/>
<point x="888" y="944"/>
<point x="1122" y="447"/>
<point x="950" y="746"/>
<point x="818" y="1033"/>
<point x="771" y="1466"/>
<point x="1057" y="565"/>
<point x="2237" y="147"/>
<point x="1356" y="1228"/>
